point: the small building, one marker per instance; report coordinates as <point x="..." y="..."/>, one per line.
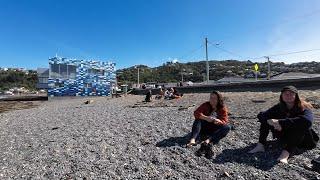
<point x="71" y="77"/>
<point x="43" y="76"/>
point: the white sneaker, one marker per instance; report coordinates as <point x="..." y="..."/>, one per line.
<point x="284" y="157"/>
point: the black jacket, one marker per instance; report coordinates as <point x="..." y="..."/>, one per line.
<point x="295" y="120"/>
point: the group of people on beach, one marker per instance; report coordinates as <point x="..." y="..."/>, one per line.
<point x="290" y="121"/>
<point x="170" y="93"/>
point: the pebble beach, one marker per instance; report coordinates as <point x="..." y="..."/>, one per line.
<point x="125" y="138"/>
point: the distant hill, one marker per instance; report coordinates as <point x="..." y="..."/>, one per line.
<point x="171" y="72"/>
<point x="196" y="71"/>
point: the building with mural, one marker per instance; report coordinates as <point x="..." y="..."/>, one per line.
<point x="71" y="77"/>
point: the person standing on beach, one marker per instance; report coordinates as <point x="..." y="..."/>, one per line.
<point x="148" y="96"/>
<point x="211" y="124"/>
<point x="290" y="121"/>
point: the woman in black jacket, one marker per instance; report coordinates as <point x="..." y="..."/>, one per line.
<point x="290" y="120"/>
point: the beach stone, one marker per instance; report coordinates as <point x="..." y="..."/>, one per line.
<point x="315" y="101"/>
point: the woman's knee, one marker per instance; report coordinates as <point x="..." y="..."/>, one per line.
<point x="225" y="129"/>
<point x="197" y="121"/>
<point x="197" y="124"/>
<point x="263" y="121"/>
<point x="293" y="137"/>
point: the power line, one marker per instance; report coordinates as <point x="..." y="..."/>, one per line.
<point x="190" y="52"/>
<point x="257" y="29"/>
<point x="224" y="50"/>
<point x="294" y="52"/>
<point x="260" y="57"/>
<point x="248" y="58"/>
<point x="287" y="53"/>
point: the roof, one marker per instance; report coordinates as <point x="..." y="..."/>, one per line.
<point x="294" y="75"/>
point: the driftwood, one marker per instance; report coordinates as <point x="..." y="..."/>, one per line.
<point x="258" y="100"/>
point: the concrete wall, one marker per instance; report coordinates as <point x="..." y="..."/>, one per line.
<point x="272" y="85"/>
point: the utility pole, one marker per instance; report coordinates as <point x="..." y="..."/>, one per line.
<point x="181" y="76"/>
<point x="138" y="78"/>
<point x="207" y="64"/>
<point x="269" y="73"/>
<point x="182" y="72"/>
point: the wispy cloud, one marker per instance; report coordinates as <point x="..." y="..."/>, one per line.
<point x="303" y="35"/>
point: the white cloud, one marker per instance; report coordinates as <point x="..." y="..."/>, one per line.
<point x="174" y="60"/>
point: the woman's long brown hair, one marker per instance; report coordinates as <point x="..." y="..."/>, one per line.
<point x="299" y="103"/>
<point x="220" y="103"/>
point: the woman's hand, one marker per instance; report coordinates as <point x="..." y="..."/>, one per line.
<point x="206" y="118"/>
<point x="278" y="126"/>
<point x="275" y="123"/>
<point x="210" y="119"/>
<point x="214" y="120"/>
<point x="217" y="121"/>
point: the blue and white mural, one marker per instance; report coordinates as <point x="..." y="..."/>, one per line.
<point x="71" y="77"/>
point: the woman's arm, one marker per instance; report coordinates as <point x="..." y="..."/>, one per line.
<point x="269" y="114"/>
<point x="302" y="121"/>
<point x="200" y="112"/>
<point x="206" y="118"/>
<point x="222" y="117"/>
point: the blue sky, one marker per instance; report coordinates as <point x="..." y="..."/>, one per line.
<point x="152" y="32"/>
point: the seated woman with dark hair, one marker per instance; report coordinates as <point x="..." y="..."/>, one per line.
<point x="211" y="124"/>
<point x="290" y="121"/>
<point x="176" y="94"/>
<point x="160" y="94"/>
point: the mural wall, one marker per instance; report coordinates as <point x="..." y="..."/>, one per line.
<point x="71" y="77"/>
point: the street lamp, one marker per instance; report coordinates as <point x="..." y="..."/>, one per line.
<point x="207" y="61"/>
<point x="182" y="72"/>
<point x="138" y="78"/>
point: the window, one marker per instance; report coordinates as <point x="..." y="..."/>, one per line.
<point x="43" y="80"/>
<point x="95" y="72"/>
<point x="55" y="71"/>
<point x="72" y="71"/>
<point x="63" y="71"/>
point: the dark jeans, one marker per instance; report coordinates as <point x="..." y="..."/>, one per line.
<point x="205" y="129"/>
<point x="290" y="138"/>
